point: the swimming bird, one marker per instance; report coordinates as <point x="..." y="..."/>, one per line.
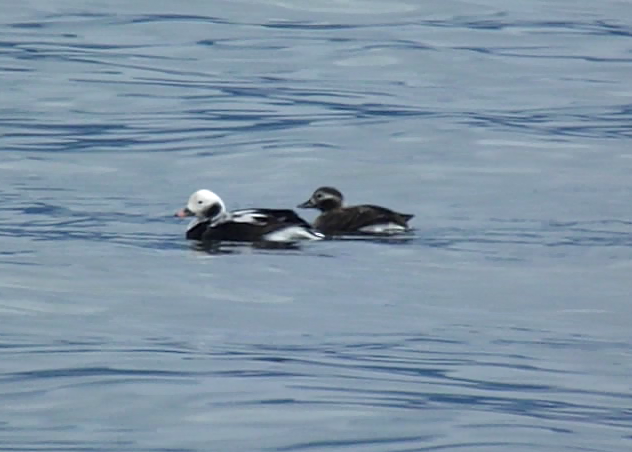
<point x="337" y="219"/>
<point x="213" y="222"/>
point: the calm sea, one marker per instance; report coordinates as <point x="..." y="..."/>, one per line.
<point x="501" y="324"/>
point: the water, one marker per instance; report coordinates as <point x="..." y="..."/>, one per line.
<point x="502" y="324"/>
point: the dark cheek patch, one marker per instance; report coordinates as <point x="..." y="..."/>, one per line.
<point x="212" y="211"/>
<point x="328" y="204"/>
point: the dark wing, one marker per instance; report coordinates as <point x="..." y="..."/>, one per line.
<point x="196" y="229"/>
<point x="252" y="225"/>
<point x="262" y="217"/>
<point x="352" y="219"/>
<point x="388" y="214"/>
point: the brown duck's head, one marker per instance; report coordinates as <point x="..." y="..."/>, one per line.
<point x="323" y="199"/>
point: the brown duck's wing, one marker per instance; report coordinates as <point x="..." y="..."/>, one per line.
<point x="376" y="215"/>
<point x="352" y="219"/>
<point x="390" y="215"/>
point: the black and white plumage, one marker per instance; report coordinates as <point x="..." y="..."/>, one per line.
<point x="368" y="219"/>
<point x="213" y="222"/>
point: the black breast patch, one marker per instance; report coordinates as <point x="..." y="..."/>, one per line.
<point x="212" y="210"/>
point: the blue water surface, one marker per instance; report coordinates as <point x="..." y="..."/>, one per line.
<point x="501" y="324"/>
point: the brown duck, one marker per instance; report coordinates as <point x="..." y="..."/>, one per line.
<point x="337" y="219"/>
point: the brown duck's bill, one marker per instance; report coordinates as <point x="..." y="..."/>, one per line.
<point x="182" y="213"/>
<point x="306" y="205"/>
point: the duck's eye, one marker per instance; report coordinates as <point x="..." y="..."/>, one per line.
<point x="319" y="196"/>
<point x="200" y="201"/>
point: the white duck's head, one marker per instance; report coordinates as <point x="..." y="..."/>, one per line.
<point x="205" y="205"/>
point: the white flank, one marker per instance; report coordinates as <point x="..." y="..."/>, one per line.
<point x="383" y="228"/>
<point x="292" y="233"/>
